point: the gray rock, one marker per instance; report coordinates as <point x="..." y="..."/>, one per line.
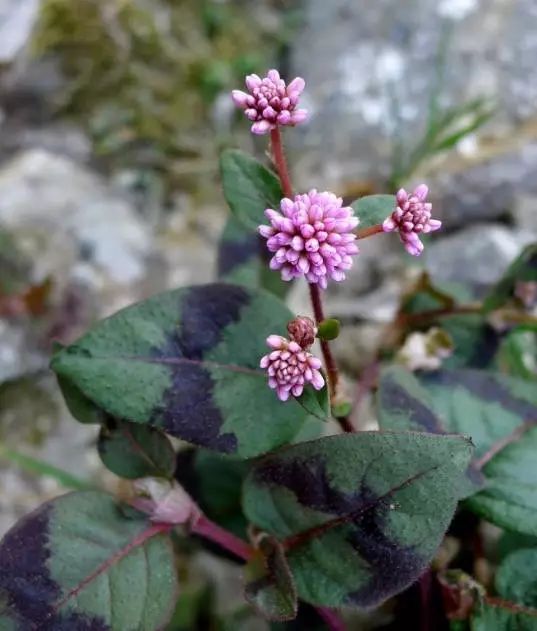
<point x="73" y="216"/>
<point x="478" y="255"/>
<point x="17" y="19"/>
<point x="370" y="73"/>
<point x="487" y="191"/>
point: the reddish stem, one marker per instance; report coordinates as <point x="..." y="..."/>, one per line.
<point x="243" y="550"/>
<point x="280" y="162"/>
<point x="515" y="435"/>
<point x="369" y="232"/>
<point x="285" y="180"/>
<point x="208" y="529"/>
<point x="332" y="619"/>
<point x="331" y="367"/>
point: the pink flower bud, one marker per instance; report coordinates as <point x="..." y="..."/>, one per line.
<point x="270" y="102"/>
<point x="312" y="236"/>
<point x="411" y="217"/>
<point x="290" y="367"/>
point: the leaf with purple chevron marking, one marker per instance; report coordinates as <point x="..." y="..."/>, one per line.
<point x="361" y="515"/>
<point x="485" y="405"/>
<point x="403" y="404"/>
<point x="490" y="408"/>
<point x="187" y="361"/>
<point x="522" y="270"/>
<point x="131" y="450"/>
<point x="269" y="584"/>
<point x="243" y="259"/>
<point x="78" y="563"/>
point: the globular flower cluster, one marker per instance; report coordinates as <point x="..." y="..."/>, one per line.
<point x="290" y="367"/>
<point x="411" y="218"/>
<point x="270" y="102"/>
<point x="311" y="237"/>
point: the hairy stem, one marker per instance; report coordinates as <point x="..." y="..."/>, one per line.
<point x="332" y="619"/>
<point x="369" y="232"/>
<point x="498" y="446"/>
<point x="331" y="366"/>
<point x="280" y="162"/>
<point x="208" y="529"/>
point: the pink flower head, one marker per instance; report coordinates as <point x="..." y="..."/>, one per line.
<point x="312" y="237"/>
<point x="290" y="367"/>
<point x="411" y="217"/>
<point x="270" y="102"/>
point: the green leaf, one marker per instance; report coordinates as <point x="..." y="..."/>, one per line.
<point x="516" y="578"/>
<point x="517" y="355"/>
<point x="373" y="209"/>
<point x="243" y="259"/>
<point x="249" y="187"/>
<point x="510" y="497"/>
<point x="484" y="405"/>
<point x="510" y="542"/>
<point x="135" y="451"/>
<point x="269" y="584"/>
<point x="404" y="404"/>
<point x="361" y="515"/>
<point x="80" y="406"/>
<point x="497" y="615"/>
<point x="524" y="269"/>
<point x="187" y="361"/>
<point x="475" y="342"/>
<point x="78" y="562"/>
<point x="492" y="408"/>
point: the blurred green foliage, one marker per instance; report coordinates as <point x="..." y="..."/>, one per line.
<point x="143" y="75"/>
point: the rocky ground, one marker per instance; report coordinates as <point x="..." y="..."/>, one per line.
<point x="104" y="246"/>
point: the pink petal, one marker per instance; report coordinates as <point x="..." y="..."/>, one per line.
<point x="275" y="341"/>
<point x="284" y="117"/>
<point x="240" y="98"/>
<point x="296" y="87"/>
<point x="402" y="196"/>
<point x="253" y="81"/>
<point x="299" y="116"/>
<point x="261" y="127"/>
<point x="266" y="231"/>
<point x="421" y="192"/>
<point x="389" y="225"/>
<point x="273" y="75"/>
<point x="318" y="380"/>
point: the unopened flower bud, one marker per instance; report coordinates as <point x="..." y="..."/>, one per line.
<point x="411" y="218"/>
<point x="165" y="502"/>
<point x="303" y="331"/>
<point x="425" y="351"/>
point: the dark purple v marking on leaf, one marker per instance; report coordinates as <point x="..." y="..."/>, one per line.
<point x="189" y="409"/>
